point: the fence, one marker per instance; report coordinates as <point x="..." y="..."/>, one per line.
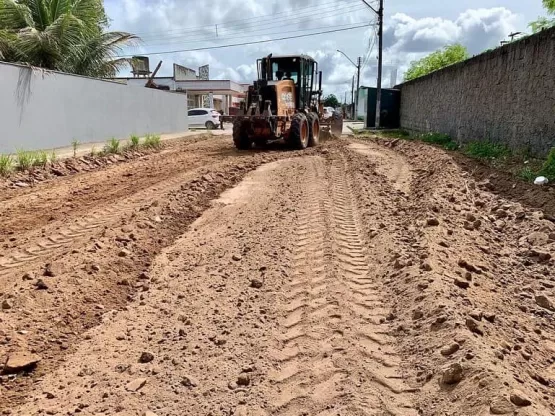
<point x="506" y="95"/>
<point x="45" y="109"/>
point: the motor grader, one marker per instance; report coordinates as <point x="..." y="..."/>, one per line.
<point x="284" y="104"/>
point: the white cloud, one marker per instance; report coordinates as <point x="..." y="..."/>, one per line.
<point x="183" y="24"/>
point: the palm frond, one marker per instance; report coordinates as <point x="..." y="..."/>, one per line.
<point x="15" y="15"/>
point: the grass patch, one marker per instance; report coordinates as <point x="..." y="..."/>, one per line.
<point x="25" y="159"/>
<point x="75" y="144"/>
<point x="53" y="157"/>
<point x="527" y="174"/>
<point x="112" y="146"/>
<point x="395" y="134"/>
<point x="487" y="150"/>
<point x="134" y="141"/>
<point x="548" y="167"/>
<point x="6" y="165"/>
<point x="153" y="141"/>
<point x="42" y="158"/>
<point x="435" y="138"/>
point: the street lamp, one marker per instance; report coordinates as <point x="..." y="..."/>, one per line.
<point x="358" y="80"/>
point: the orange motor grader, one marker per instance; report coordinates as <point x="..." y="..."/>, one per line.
<point x="283" y="104"/>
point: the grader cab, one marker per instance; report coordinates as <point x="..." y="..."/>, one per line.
<point x="284" y="104"/>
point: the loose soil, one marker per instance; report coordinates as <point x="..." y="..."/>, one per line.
<point x="358" y="278"/>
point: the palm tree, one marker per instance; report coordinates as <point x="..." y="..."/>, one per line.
<point x="64" y="35"/>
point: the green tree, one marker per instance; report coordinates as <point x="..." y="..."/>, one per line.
<point x="63" y="35"/>
<point x="439" y="59"/>
<point x="331" y="101"/>
<point x="544" y="22"/>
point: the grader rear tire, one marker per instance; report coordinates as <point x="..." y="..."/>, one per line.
<point x="314" y="130"/>
<point x="241" y="135"/>
<point x="299" y="132"/>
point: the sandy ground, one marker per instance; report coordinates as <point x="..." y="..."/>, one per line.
<point x="359" y="278"/>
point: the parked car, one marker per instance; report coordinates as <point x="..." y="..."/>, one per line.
<point x="204" y="117"/>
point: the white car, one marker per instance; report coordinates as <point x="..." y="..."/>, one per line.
<point x="204" y="117"/>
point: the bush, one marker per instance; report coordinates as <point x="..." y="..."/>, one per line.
<point x="25" y="160"/>
<point x="42" y="158"/>
<point x="487" y="150"/>
<point x="153" y="141"/>
<point x="6" y="165"/>
<point x="112" y="146"/>
<point x="134" y="141"/>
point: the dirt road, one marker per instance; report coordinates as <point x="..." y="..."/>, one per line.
<point x="359" y="278"/>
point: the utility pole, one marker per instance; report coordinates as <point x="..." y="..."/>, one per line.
<point x="358" y="67"/>
<point x="379" y="12"/>
<point x="353" y="96"/>
<point x="359" y="62"/>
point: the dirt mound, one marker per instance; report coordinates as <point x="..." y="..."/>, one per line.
<point x="350" y="279"/>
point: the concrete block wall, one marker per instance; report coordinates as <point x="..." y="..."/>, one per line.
<point x="45" y="109"/>
<point x="506" y="95"/>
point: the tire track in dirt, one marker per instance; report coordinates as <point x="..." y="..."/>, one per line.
<point x="87" y="226"/>
<point x="388" y="163"/>
<point x="334" y="355"/>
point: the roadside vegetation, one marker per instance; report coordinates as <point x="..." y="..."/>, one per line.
<point x="521" y="164"/>
<point x="439" y="59"/>
<point x="25" y="160"/>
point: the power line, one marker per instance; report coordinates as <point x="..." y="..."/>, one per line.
<point x="249" y="35"/>
<point x="321" y="6"/>
<point x="258" y="27"/>
<point x="246" y="43"/>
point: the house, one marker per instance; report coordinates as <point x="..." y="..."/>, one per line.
<point x="201" y="91"/>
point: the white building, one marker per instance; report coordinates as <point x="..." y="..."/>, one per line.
<point x="223" y="95"/>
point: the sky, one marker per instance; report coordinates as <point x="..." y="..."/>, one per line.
<point x="412" y="29"/>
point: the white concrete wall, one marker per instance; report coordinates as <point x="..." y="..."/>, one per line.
<point x="44" y="109"/>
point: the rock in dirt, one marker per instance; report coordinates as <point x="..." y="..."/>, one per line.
<point x="189" y="381"/>
<point x="257" y="284"/>
<point x="544" y="302"/>
<point x="490" y="317"/>
<point x="474" y="326"/>
<point x="22" y="361"/>
<point x="50" y="270"/>
<point x="146" y="357"/>
<point x="28" y="276"/>
<point x="136" y="384"/>
<point x="453" y="374"/>
<point x="538" y="238"/>
<point x="519" y="398"/>
<point x="236" y="257"/>
<point x="243" y="380"/>
<point x="500" y="406"/>
<point x="6" y="304"/>
<point x="124" y="253"/>
<point x="40" y="285"/>
<point x="149" y="413"/>
<point x="463" y="284"/>
<point x="432" y="222"/>
<point x="450" y="349"/>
